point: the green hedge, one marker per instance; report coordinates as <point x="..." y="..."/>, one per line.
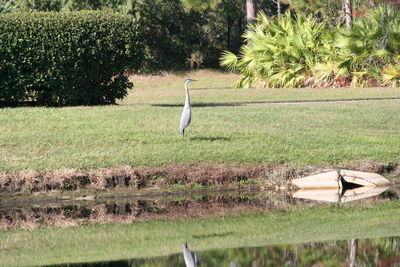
<point x="73" y="58"/>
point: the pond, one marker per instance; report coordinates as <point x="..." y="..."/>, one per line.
<point x="353" y="252"/>
<point x="221" y="228"/>
<point x="186" y="205"/>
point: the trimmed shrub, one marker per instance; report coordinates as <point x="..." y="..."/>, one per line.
<point x="8" y="6"/>
<point x="68" y="5"/>
<point x="74" y="58"/>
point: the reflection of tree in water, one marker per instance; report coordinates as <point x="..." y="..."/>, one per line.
<point x="392" y="194"/>
<point x="385" y="252"/>
<point x="381" y="252"/>
<point x="181" y="207"/>
<point x="368" y="252"/>
<point x="352" y="252"/>
<point x="199" y="206"/>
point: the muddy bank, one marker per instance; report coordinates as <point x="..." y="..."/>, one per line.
<point x="204" y="174"/>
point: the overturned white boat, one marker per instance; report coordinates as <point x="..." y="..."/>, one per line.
<point x="340" y="186"/>
<point x="341" y="179"/>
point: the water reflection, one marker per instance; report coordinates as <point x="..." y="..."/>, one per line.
<point x="189" y="257"/>
<point x="127" y="210"/>
<point x="205" y="205"/>
<point x="364" y="252"/>
<point x="340" y="195"/>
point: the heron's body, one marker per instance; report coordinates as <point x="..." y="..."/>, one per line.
<point x="186" y="115"/>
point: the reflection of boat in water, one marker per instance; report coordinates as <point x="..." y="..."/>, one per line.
<point x="361" y="193"/>
<point x="339" y="195"/>
<point x="340" y="186"/>
<point x="189" y="256"/>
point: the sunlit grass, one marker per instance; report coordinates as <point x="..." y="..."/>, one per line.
<point x="213" y="86"/>
<point x="299" y="134"/>
<point x="93" y="243"/>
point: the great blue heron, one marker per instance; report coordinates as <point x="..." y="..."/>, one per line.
<point x="186" y="115"/>
<point x="190" y="257"/>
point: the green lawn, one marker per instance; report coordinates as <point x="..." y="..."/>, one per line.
<point x="155" y="238"/>
<point x="329" y="134"/>
<point x="216" y="87"/>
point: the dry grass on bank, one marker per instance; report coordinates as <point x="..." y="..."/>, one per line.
<point x="199" y="174"/>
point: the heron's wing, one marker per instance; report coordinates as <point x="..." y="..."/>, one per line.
<point x="186" y="117"/>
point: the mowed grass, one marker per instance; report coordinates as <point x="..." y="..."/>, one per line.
<point x="93" y="243"/>
<point x="328" y="134"/>
<point x="216" y="87"/>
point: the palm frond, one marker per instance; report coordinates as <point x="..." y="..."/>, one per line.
<point x="7" y="6"/>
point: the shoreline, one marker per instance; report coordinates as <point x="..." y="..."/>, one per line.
<point x="170" y="177"/>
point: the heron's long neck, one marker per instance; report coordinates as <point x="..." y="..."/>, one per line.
<point x="187" y="101"/>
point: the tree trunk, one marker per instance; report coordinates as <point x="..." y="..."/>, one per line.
<point x="229" y="32"/>
<point x="348" y="13"/>
<point x="371" y="3"/>
<point x="278" y="6"/>
<point x="251" y="11"/>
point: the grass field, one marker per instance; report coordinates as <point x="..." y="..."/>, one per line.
<point x="138" y="133"/>
<point x="136" y="240"/>
<point x="216" y="87"/>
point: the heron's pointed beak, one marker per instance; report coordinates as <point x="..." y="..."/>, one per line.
<point x="194" y="80"/>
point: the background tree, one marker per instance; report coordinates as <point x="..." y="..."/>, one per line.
<point x="201" y="5"/>
<point x="222" y="16"/>
<point x="251" y="11"/>
<point x="348" y="13"/>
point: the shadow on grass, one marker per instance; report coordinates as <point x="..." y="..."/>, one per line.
<point x="36" y="104"/>
<point x="212" y="235"/>
<point x="201" y="105"/>
<point x="211" y="139"/>
<point x="209" y="88"/>
<point x="304" y="101"/>
<point x="19" y="104"/>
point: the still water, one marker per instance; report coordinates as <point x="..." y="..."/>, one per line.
<point x="354" y="252"/>
<point x="383" y="251"/>
<point x="127" y="209"/>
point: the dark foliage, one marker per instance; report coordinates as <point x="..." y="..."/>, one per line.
<point x="171" y="33"/>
